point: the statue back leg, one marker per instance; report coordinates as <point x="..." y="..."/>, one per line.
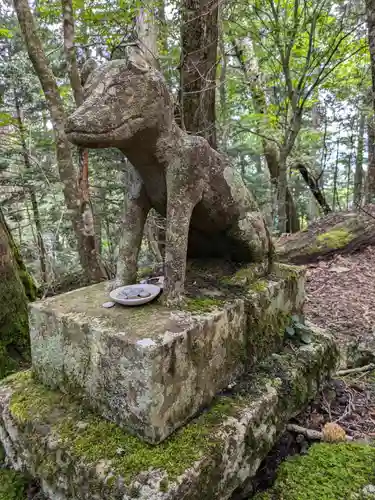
<point x="251" y="232"/>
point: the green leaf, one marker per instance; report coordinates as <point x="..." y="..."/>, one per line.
<point x="5" y="33"/>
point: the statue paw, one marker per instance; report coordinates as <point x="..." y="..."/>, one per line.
<point x="174" y="301"/>
<point x="113" y="284"/>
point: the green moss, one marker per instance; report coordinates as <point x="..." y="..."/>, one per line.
<point x="328" y="472"/>
<point x="202" y="304"/>
<point x="15" y="288"/>
<point x="2" y="455"/>
<point x="258" y="286"/>
<point x="144" y="272"/>
<point x="99" y="440"/>
<point x="243" y="276"/>
<point x="12" y="485"/>
<point x="164" y="485"/>
<point x="337" y="238"/>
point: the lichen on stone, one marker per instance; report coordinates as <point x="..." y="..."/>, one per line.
<point x="327" y="472"/>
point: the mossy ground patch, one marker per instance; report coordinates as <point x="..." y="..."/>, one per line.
<point x="12" y="485"/>
<point x="328" y="472"/>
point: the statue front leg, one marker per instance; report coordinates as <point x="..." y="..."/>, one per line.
<point x="136" y="209"/>
<point x="182" y="198"/>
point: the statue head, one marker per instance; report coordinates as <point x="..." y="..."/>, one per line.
<point x="122" y="100"/>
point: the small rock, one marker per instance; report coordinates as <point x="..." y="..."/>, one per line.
<point x="81" y="425"/>
<point x="368" y="491"/>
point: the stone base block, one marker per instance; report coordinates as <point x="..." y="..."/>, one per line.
<point x="79" y="455"/>
<point x="150" y="369"/>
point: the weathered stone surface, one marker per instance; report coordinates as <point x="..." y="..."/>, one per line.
<point x="150" y="369"/>
<point x="210" y="212"/>
<point x="79" y="455"/>
<point x="361" y="352"/>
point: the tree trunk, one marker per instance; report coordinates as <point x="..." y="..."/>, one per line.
<point x="314" y="187"/>
<point x="270" y="150"/>
<point x="199" y="41"/>
<point x="80" y="216"/>
<point x="31" y="190"/>
<point x="83" y="154"/>
<point x="282" y="188"/>
<point x="370" y="180"/>
<point x="358" y="174"/>
<point x="335" y="174"/>
<point x="14" y="283"/>
<point x="370" y="11"/>
<point x="338" y="233"/>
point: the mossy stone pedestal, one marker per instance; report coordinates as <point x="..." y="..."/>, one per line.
<point x="150" y="369"/>
<point x="78" y="455"/>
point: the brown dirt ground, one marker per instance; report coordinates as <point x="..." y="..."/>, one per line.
<point x="341" y="298"/>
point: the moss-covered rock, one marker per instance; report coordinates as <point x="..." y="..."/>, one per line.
<point x="328" y="472"/>
<point x="16" y="286"/>
<point x="337" y="233"/>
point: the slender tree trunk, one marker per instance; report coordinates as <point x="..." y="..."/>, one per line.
<point x="83" y="154"/>
<point x="335" y="174"/>
<point x="270" y="150"/>
<point x="199" y="42"/>
<point x="31" y="190"/>
<point x="370" y="11"/>
<point x="282" y="188"/>
<point x="370" y="180"/>
<point x="314" y="187"/>
<point x="358" y="174"/>
<point x="80" y="217"/>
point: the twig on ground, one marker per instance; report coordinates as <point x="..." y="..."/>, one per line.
<point x="366" y="368"/>
<point x="309" y="433"/>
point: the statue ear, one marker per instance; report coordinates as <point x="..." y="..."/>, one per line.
<point x="89" y="66"/>
<point x="137" y="68"/>
<point x="136" y="61"/>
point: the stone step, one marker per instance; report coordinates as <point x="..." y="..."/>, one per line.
<point x="150" y="369"/>
<point x="80" y="456"/>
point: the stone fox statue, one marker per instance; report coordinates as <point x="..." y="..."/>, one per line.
<point x="209" y="211"/>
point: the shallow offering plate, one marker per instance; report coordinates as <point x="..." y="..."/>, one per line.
<point x="135" y="295"/>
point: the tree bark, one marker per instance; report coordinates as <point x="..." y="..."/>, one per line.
<point x="314" y="187"/>
<point x="358" y="174"/>
<point x="80" y="217"/>
<point x="14" y="280"/>
<point x="31" y="190"/>
<point x="199" y="42"/>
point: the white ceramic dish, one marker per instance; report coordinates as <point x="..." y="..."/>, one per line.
<point x="119" y="294"/>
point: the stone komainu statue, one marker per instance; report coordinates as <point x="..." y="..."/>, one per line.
<point x="209" y="211"/>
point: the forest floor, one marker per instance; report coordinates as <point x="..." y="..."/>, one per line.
<point x="340" y="298"/>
